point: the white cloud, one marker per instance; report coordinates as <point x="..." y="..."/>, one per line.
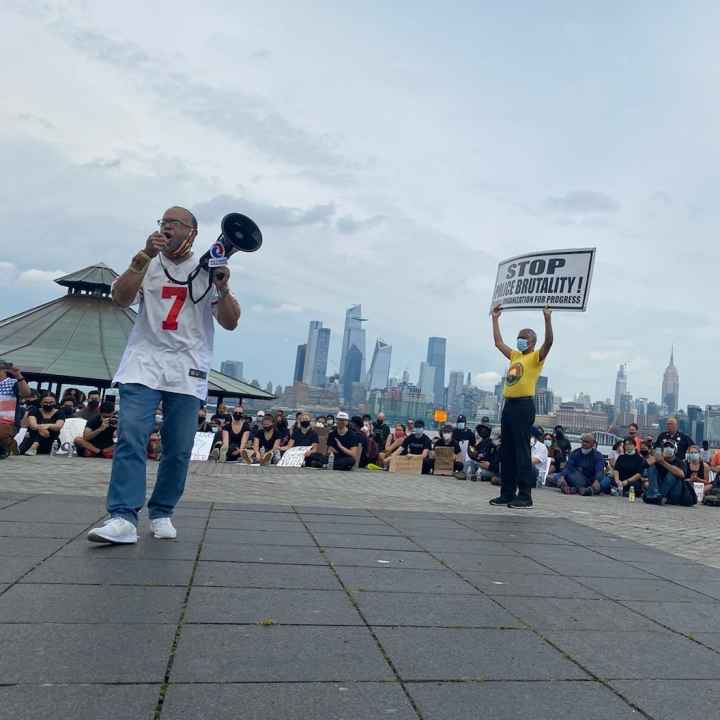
<point x="486" y="380"/>
<point x="8" y="273"/>
<point x="34" y="278"/>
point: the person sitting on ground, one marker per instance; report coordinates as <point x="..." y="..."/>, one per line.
<point x="394" y="441"/>
<point x="462" y="433"/>
<point x="445" y="439"/>
<point x="92" y="406"/>
<point x="13" y="389"/>
<point x="68" y="407"/>
<point x="563" y="445"/>
<point x="617" y="450"/>
<point x="265" y="442"/>
<point x="330" y="422"/>
<point x="235" y="438"/>
<point x="633" y="433"/>
<point x="554" y="454"/>
<point x="343" y="444"/>
<point x="320" y="421"/>
<point x="410" y="426"/>
<point x="666" y="478"/>
<point x="44" y="426"/>
<point x="203" y="425"/>
<point x="381" y="430"/>
<point x="356" y="426"/>
<point x="98" y="438"/>
<point x="418" y="443"/>
<point x="584" y="471"/>
<point x="696" y="470"/>
<point x="303" y="435"/>
<point x="27" y="404"/>
<point x="680" y="440"/>
<point x="477" y="465"/>
<point x="629" y="469"/>
<point x="706" y="454"/>
<point x="539" y="456"/>
<point x="281" y="423"/>
<point x="221" y="416"/>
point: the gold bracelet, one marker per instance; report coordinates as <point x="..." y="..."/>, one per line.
<point x="139" y="264"/>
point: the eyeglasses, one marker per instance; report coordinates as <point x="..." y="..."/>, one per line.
<point x="173" y="222"/>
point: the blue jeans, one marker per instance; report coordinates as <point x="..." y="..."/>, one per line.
<point x="138" y="403"/>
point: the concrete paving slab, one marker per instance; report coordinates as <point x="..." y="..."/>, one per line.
<point x="574" y="614"/>
<point x="401" y="609"/>
<point x="641" y="589"/>
<point x="301" y="577"/>
<point x="29" y="547"/>
<point x="247" y="653"/>
<point x="148" y="549"/>
<point x="493" y="563"/>
<point x="683" y="617"/>
<point x="510" y="701"/>
<point x="118" y="571"/>
<point x="456" y="654"/>
<point x="50" y="653"/>
<point x="672" y="699"/>
<point x="296" y="701"/>
<point x="254" y="507"/>
<point x="259" y="537"/>
<point x="330" y="510"/>
<point x="355" y="557"/>
<point x="630" y="655"/>
<point x="682" y="572"/>
<point x="293" y="607"/>
<point x="63" y="531"/>
<point x="225" y="523"/>
<point x="499" y="584"/>
<point x="249" y="516"/>
<point x="31" y="511"/>
<point x="79" y="702"/>
<point x="91" y="604"/>
<point x="352" y="528"/>
<point x="303" y="555"/>
<point x="378" y="542"/>
<point x="13" y="568"/>
<point x="406" y="580"/>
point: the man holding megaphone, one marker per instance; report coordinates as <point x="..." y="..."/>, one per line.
<point x="167" y="360"/>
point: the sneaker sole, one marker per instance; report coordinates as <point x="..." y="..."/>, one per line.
<point x="96" y="537"/>
<point x="520" y="507"/>
<point x="165" y="537"/>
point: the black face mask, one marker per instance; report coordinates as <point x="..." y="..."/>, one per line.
<point x="305" y="423"/>
<point x="237" y="416"/>
<point x="93" y="403"/>
<point x="48" y="407"/>
<point x="201" y="418"/>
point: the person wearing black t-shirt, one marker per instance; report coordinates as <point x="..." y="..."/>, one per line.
<point x="303" y="435"/>
<point x="462" y="432"/>
<point x="203" y="425"/>
<point x="235" y="437"/>
<point x="681" y="441"/>
<point x="477" y="466"/>
<point x="418" y="443"/>
<point x="265" y="443"/>
<point x="629" y="468"/>
<point x="666" y="479"/>
<point x="98" y="438"/>
<point x="44" y="425"/>
<point x="445" y="439"/>
<point x="343" y="444"/>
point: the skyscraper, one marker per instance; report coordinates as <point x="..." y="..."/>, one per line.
<point x="620" y="388"/>
<point x="437" y="349"/>
<point x="233" y="368"/>
<point x="455" y="392"/>
<point x="299" y="363"/>
<point x="379" y="366"/>
<point x="671" y="385"/>
<point x="316" y="355"/>
<point x="353" y="337"/>
<point x="426" y="380"/>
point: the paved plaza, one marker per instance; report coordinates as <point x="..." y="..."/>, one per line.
<point x="301" y="594"/>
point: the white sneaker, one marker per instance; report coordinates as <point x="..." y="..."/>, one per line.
<point x="31" y="451"/>
<point x="116" y="531"/>
<point x="163" y="529"/>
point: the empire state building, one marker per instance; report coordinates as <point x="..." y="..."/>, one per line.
<point x="671" y="385"/>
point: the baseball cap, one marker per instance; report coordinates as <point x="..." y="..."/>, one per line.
<point x="460" y="418"/>
<point x="342" y="416"/>
<point x="260" y="413"/>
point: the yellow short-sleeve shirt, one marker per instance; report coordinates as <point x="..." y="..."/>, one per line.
<point x="522" y="375"/>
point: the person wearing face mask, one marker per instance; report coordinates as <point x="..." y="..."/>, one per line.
<point x="539" y="456"/>
<point x="381" y="430"/>
<point x="343" y="444"/>
<point x="330" y="422"/>
<point x="98" y="438"/>
<point x="696" y="470"/>
<point x="629" y="469"/>
<point x="554" y="458"/>
<point x="563" y="445"/>
<point x="303" y="435"/>
<point x="264" y="443"/>
<point x="477" y="466"/>
<point x="203" y="425"/>
<point x="672" y="434"/>
<point x="92" y="407"/>
<point x="445" y="439"/>
<point x="44" y="425"/>
<point x="235" y="437"/>
<point x="585" y="469"/>
<point x="394" y="441"/>
<point x="518" y="415"/>
<point x="462" y="433"/>
<point x="667" y="484"/>
<point x="418" y="443"/>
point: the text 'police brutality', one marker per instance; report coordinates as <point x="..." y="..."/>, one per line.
<point x="559" y="279"/>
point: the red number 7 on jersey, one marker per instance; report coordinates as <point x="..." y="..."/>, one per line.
<point x="180" y="295"/>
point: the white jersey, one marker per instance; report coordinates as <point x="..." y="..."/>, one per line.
<point x="539" y="452"/>
<point x="171" y="343"/>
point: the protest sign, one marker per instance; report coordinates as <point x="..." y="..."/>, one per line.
<point x="202" y="445"/>
<point x="294" y="457"/>
<point x="559" y="279"/>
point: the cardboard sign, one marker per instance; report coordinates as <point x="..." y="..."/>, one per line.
<point x="559" y="279"/>
<point x="294" y="457"/>
<point x="202" y="446"/>
<point x="444" y="461"/>
<point x="322" y="433"/>
<point x="406" y="464"/>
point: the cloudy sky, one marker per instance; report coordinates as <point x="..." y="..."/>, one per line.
<point x="392" y="154"/>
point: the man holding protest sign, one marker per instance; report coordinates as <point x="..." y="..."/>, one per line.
<point x="518" y="414"/>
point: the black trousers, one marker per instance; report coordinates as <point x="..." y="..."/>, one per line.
<point x="516" y="470"/>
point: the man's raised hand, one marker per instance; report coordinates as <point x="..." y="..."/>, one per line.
<point x="155" y="243"/>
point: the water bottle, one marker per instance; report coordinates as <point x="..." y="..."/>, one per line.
<point x="631" y="494"/>
<point x="55" y="447"/>
<point x="331" y="461"/>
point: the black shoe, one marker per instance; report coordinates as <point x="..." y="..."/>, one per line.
<point x="501" y="501"/>
<point x="521" y="504"/>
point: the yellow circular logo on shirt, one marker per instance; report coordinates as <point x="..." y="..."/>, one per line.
<point x="514" y="374"/>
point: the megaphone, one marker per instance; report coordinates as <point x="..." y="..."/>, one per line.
<point x="237" y="233"/>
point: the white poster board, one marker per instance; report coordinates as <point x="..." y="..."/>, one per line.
<point x="202" y="446"/>
<point x="294" y="457"/>
<point x="557" y="278"/>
